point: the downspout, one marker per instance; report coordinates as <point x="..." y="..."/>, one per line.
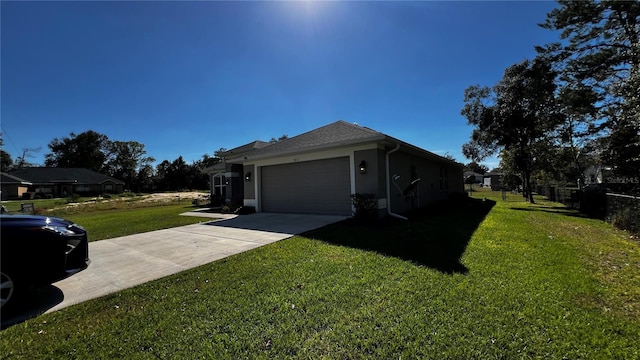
<point x="389" y="185"/>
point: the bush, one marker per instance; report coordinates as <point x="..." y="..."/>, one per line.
<point x="627" y="219"/>
<point x="245" y="210"/>
<point x="594" y="202"/>
<point x="73" y="198"/>
<point x="365" y="206"/>
<point x="217" y="200"/>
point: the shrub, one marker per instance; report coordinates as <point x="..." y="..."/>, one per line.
<point x="594" y="202"/>
<point x="627" y="219"/>
<point x="365" y="206"/>
<point x="245" y="210"/>
<point x="217" y="200"/>
<point x="73" y="198"/>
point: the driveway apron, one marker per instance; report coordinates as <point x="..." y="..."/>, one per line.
<point x="127" y="261"/>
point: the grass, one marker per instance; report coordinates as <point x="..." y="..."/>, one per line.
<point x="109" y="219"/>
<point x="105" y="224"/>
<point x="15" y="205"/>
<point x="494" y="279"/>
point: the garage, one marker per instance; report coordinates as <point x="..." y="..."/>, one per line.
<point x="309" y="187"/>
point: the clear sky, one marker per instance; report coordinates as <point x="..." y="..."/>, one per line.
<point x="188" y="78"/>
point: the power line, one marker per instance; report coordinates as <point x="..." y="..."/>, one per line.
<point x="4" y="132"/>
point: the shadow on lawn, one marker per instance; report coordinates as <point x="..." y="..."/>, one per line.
<point x="435" y="237"/>
<point x="552" y="210"/>
<point x="33" y="303"/>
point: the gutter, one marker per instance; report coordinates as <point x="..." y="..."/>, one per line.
<point x="389" y="184"/>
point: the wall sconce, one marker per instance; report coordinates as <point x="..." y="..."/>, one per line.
<point x="247" y="176"/>
<point x="363" y="167"/>
<point x="226" y="182"/>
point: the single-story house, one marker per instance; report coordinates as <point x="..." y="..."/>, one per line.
<point x="493" y="180"/>
<point x="12" y="186"/>
<point x="318" y="171"/>
<point x="61" y="182"/>
<point x="477" y="177"/>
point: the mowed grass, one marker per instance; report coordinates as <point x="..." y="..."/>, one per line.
<point x="109" y="219"/>
<point x="110" y="223"/>
<point x="481" y="280"/>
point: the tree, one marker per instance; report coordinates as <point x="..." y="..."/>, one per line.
<point x="447" y="155"/>
<point x="21" y="161"/>
<point x="124" y="159"/>
<point x="196" y="178"/>
<point x="513" y="116"/>
<point x="6" y="162"/>
<point x="86" y="150"/>
<point x="599" y="53"/>
<point x="144" y="179"/>
<point x="162" y="175"/>
<point x="476" y="168"/>
<point x="283" y="137"/>
<point x="172" y="175"/>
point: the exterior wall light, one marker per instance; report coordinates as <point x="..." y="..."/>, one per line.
<point x="363" y="167"/>
<point x="247" y="176"/>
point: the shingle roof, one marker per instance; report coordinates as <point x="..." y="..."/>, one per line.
<point x="334" y="134"/>
<point x="10" y="179"/>
<point x="47" y="175"/>
<point x="254" y="145"/>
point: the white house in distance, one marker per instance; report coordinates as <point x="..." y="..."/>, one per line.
<point x="317" y="172"/>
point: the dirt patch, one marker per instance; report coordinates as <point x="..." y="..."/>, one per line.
<point x="160" y="198"/>
<point x="174" y="196"/>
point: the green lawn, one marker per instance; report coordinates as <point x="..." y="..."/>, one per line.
<point x="105" y="224"/>
<point x="109" y="219"/>
<point x="483" y="280"/>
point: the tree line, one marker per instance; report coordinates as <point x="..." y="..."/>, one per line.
<point x="576" y="104"/>
<point x="124" y="160"/>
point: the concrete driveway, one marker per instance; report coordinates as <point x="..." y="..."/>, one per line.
<point x="128" y="261"/>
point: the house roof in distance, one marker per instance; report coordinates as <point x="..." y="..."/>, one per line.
<point x="10" y="179"/>
<point x="50" y="175"/>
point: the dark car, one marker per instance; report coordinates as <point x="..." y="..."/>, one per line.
<point x="37" y="251"/>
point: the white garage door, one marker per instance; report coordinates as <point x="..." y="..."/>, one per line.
<point x="309" y="187"/>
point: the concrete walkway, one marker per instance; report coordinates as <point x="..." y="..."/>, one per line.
<point x="128" y="261"/>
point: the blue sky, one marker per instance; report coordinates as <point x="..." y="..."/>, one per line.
<point x="187" y="78"/>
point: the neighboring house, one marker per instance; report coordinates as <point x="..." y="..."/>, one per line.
<point x="477" y="178"/>
<point x="493" y="180"/>
<point x="594" y="174"/>
<point x="318" y="171"/>
<point x="601" y="174"/>
<point x="12" y="186"/>
<point x="61" y="182"/>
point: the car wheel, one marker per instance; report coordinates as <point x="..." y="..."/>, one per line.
<point x="7" y="289"/>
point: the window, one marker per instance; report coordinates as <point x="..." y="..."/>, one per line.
<point x="82" y="188"/>
<point x="444" y="178"/>
<point x="219" y="185"/>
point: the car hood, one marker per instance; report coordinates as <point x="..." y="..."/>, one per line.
<point x="32" y="221"/>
